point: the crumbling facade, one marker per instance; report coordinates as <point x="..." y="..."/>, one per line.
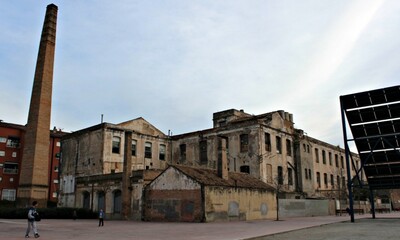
<point x="94" y="159"/>
<point x="109" y="165"/>
<point x="270" y="148"/>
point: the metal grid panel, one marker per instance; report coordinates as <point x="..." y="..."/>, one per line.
<point x="374" y="120"/>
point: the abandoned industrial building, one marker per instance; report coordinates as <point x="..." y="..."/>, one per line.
<point x="109" y="165"/>
<point x="246" y="167"/>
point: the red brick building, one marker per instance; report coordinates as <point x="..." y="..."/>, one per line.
<point x="11" y="150"/>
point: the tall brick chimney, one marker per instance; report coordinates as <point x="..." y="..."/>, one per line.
<point x="34" y="176"/>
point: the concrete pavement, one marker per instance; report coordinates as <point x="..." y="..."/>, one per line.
<point x="88" y="229"/>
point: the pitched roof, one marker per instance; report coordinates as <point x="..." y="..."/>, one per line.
<point x="209" y="177"/>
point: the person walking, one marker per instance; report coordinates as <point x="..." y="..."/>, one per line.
<point x="101" y="217"/>
<point x="74" y="215"/>
<point x="32" y="215"/>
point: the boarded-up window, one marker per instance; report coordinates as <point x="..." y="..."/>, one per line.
<point x="86" y="200"/>
<point x="100" y="200"/>
<point x="117" y="201"/>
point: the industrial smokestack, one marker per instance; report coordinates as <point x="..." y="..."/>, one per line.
<point x="34" y="177"/>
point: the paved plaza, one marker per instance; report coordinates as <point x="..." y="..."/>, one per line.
<point x="329" y="227"/>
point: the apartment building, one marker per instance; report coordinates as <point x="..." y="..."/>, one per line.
<point x="11" y="149"/>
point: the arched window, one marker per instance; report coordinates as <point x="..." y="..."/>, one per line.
<point x="101" y="200"/>
<point x="86" y="200"/>
<point x="117" y="201"/>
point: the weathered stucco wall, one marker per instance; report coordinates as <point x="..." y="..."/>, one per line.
<point x="229" y="204"/>
<point x="303" y="207"/>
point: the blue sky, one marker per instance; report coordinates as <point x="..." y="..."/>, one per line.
<point x="174" y="63"/>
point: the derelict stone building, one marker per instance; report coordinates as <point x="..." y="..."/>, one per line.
<point x="270" y="148"/>
<point x="109" y="165"/>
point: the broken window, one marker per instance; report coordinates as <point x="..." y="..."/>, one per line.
<point x="342" y="161"/>
<point x="326" y="180"/>
<point x="203" y="151"/>
<point x="290" y="176"/>
<point x="318" y="179"/>
<point x="280" y="175"/>
<point x="278" y="144"/>
<point x="147" y="150"/>
<point x="336" y="160"/>
<point x="330" y="158"/>
<point x="244" y="142"/>
<point x="133" y="149"/>
<point x="332" y="181"/>
<point x="182" y="149"/>
<point x="323" y="157"/>
<point x="316" y="155"/>
<point x="338" y="181"/>
<point x="116" y="144"/>
<point x="245" y="169"/>
<point x="288" y="147"/>
<point x="267" y="140"/>
<point x="309" y="174"/>
<point x="162" y="152"/>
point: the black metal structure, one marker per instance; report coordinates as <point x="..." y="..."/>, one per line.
<point x="374" y="120"/>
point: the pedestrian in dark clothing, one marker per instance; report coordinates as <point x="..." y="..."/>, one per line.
<point x="74" y="215"/>
<point x="348" y="211"/>
<point x="33" y="216"/>
<point x="101" y="218"/>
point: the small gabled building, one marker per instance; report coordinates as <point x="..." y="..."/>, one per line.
<point x="187" y="194"/>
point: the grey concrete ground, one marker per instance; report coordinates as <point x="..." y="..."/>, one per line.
<point x="329" y="227"/>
